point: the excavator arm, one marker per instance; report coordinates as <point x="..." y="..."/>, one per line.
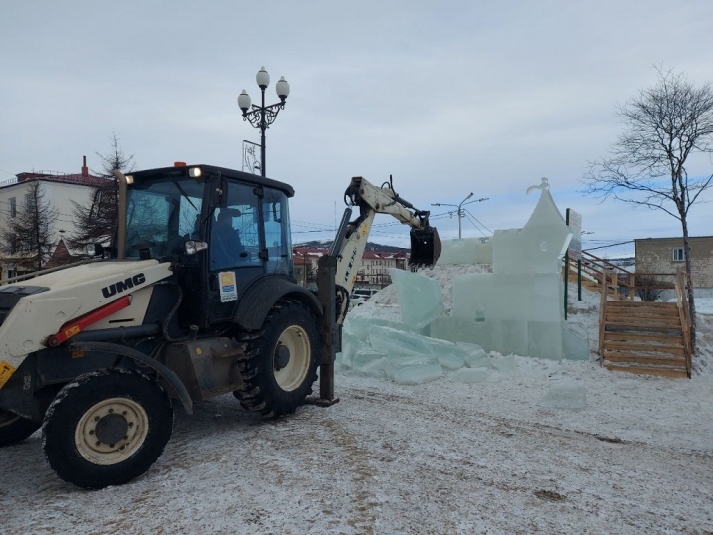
<point x="337" y="270"/>
<point x="371" y="200"/>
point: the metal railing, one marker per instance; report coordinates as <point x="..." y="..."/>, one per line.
<point x="33" y="274"/>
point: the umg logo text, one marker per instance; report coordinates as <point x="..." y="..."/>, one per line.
<point x="121" y="286"/>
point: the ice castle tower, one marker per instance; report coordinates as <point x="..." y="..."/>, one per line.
<point x="518" y="308"/>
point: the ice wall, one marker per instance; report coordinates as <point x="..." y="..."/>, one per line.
<point x="466" y="251"/>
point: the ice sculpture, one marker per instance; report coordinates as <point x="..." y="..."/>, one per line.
<point x="539" y="246"/>
<point x="519" y="307"/>
<point x="515" y="310"/>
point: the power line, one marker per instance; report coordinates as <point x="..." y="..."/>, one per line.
<point x="468" y="213"/>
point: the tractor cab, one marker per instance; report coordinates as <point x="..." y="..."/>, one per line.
<point x="222" y="230"/>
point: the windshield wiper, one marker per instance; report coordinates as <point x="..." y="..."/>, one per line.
<point x="183" y="192"/>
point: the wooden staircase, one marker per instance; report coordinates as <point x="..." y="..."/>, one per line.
<point x="644" y="337"/>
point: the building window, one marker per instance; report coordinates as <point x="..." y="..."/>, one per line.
<point x="30" y="201"/>
<point x="678" y="254"/>
<point x="13" y="207"/>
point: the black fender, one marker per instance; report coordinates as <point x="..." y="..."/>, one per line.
<point x="166" y="373"/>
<point x="259" y="298"/>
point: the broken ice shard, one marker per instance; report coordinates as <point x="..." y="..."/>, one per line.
<point x="575" y="341"/>
<point x="419" y="297"/>
<point x="400" y="343"/>
<point x="503" y="363"/>
<point x="565" y="394"/>
<point x="366" y="355"/>
<point x="414" y="370"/>
<point x="471" y="375"/>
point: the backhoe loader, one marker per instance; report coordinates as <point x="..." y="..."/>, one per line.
<point x="176" y="310"/>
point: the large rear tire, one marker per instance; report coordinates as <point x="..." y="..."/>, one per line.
<point x="280" y="364"/>
<point x="14" y="428"/>
<point x="107" y="427"/>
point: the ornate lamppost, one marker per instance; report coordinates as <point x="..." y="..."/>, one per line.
<point x="263" y="116"/>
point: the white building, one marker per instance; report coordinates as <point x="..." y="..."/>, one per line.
<point x="60" y="189"/>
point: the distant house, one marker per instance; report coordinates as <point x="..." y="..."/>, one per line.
<point x="375" y="265"/>
<point x="373" y="272"/>
<point x="58" y="188"/>
<point x="665" y="255"/>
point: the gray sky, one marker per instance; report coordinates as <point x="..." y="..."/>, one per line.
<point x="449" y="97"/>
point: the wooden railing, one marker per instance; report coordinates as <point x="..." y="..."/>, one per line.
<point x="602" y="313"/>
<point x="619" y="280"/>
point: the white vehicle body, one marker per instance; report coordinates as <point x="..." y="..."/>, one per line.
<point x="71" y="293"/>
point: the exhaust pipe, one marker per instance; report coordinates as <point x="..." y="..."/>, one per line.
<point x="121" y="213"/>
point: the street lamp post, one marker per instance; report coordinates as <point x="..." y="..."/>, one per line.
<point x="460" y="214"/>
<point x="460" y="211"/>
<point x="263" y="116"/>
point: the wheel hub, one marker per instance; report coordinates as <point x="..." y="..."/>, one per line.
<point x="292" y="357"/>
<point x="111" y="429"/>
<point x="282" y="356"/>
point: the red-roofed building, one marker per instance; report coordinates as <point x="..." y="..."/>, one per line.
<point x="375" y="265"/>
<point x="60" y="189"/>
<point x="373" y="272"/>
<point x="305" y="262"/>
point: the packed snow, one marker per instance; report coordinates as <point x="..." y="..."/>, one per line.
<point x="495" y="444"/>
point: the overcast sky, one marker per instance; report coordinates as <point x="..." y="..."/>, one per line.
<point x="448" y="97"/>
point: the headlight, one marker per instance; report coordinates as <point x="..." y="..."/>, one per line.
<point x="192" y="247"/>
<point x="94" y="249"/>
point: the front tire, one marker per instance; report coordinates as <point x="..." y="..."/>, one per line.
<point x="107" y="427"/>
<point x="280" y="364"/>
<point x="14" y="428"/>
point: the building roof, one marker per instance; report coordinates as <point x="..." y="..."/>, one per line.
<point x="83" y="178"/>
<point x="676" y="238"/>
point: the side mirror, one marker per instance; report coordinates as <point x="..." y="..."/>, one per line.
<point x="218" y="195"/>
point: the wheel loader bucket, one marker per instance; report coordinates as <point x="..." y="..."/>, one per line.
<point x="425" y="247"/>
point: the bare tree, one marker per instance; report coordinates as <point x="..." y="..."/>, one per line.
<point x="96" y="220"/>
<point x="29" y="233"/>
<point x="664" y="126"/>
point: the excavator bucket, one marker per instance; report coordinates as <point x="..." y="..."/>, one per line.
<point x="425" y="247"/>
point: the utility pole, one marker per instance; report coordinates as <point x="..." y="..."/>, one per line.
<point x="460" y="210"/>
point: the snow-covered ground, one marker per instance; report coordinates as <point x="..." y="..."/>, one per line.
<point x="442" y="457"/>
